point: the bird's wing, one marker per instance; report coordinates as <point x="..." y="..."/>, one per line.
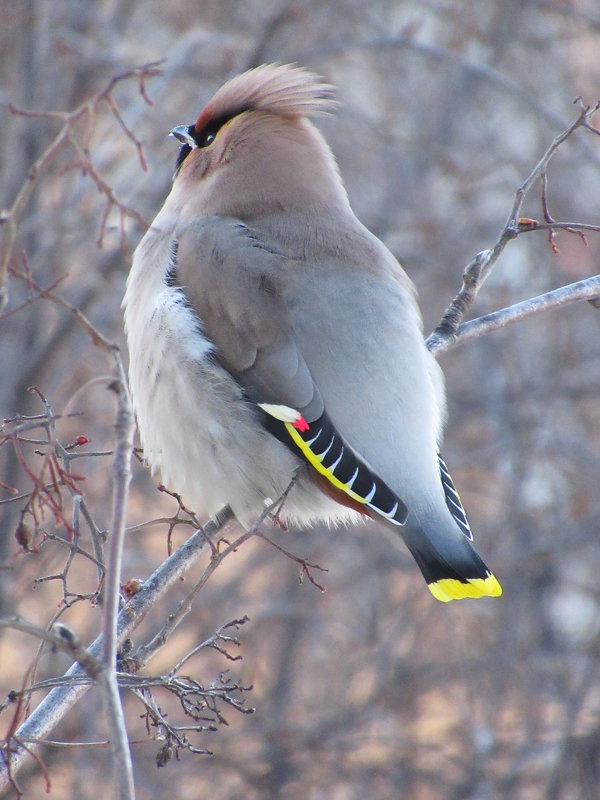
<point x="238" y="284"/>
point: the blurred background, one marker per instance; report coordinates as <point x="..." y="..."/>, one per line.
<point x="372" y="688"/>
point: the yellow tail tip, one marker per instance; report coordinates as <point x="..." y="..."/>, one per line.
<point x="451" y="589"/>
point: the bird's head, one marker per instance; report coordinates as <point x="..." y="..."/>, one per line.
<point x="253" y="150"/>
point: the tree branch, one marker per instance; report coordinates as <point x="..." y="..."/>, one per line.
<point x="60" y="637"/>
<point x="482" y="264"/>
<point x="483" y="72"/>
<point x="588" y="289"/>
<point x="9" y="217"/>
<point x="61" y="699"/>
<point x="124" y="426"/>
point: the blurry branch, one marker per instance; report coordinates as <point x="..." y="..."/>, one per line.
<point x="10" y="217"/>
<point x="569" y="734"/>
<point x="49" y="294"/>
<point x="61" y="638"/>
<point x="591" y="21"/>
<point x="482" y="72"/>
<point x="124" y="427"/>
<point x="38" y="360"/>
<point x="282" y="17"/>
<point x="450" y="330"/>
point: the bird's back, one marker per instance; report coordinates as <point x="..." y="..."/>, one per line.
<point x="358" y="328"/>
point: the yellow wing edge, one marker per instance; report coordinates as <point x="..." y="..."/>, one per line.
<point x="315" y="461"/>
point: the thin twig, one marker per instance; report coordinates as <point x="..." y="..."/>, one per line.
<point x="97" y="338"/>
<point x="213" y="641"/>
<point x="61" y="638"/>
<point x="124" y="427"/>
<point x="61" y="699"/>
<point x="482" y="264"/>
<point x="305" y="565"/>
<point x="9" y="217"/>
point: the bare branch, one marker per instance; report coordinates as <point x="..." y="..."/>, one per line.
<point x="97" y="338"/>
<point x="215" y="641"/>
<point x="588" y="289"/>
<point x="447" y="330"/>
<point x="58" y="702"/>
<point x="482" y="264"/>
<point x="534" y="225"/>
<point x="483" y="72"/>
<point x="305" y="565"/>
<point x="124" y="426"/>
<point x="9" y="217"/>
<point x="61" y="638"/>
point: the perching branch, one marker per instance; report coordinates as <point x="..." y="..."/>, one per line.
<point x="75" y="682"/>
<point x="588" y="289"/>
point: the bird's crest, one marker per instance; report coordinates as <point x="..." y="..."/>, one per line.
<point x="278" y="88"/>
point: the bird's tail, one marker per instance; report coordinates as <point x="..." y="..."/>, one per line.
<point x="449" y="563"/>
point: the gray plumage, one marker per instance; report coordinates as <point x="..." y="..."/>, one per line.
<point x="256" y="284"/>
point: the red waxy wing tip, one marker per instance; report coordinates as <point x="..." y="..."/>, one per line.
<point x="301" y="424"/>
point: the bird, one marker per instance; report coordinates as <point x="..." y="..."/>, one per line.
<point x="275" y="342"/>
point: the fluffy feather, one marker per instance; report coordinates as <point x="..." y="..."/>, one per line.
<point x="277" y="88"/>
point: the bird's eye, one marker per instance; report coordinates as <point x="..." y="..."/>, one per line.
<point x="191" y="138"/>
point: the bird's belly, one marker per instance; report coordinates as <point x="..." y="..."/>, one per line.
<point x="199" y="431"/>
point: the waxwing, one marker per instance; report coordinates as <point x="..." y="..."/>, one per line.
<point x="273" y="337"/>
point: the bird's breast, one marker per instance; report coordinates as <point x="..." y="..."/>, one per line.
<point x="195" y="424"/>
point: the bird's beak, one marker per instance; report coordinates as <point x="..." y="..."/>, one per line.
<point x="182" y="133"/>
